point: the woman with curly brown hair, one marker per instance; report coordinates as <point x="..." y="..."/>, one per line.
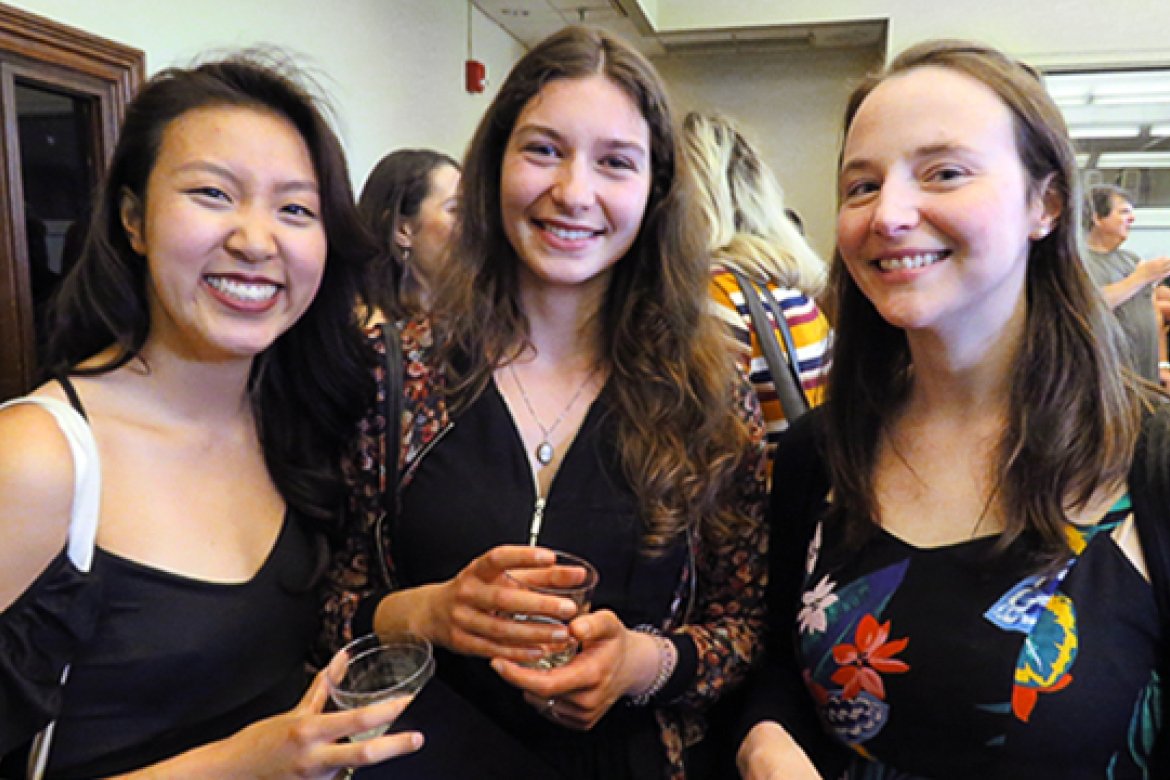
<point x="572" y="391"/>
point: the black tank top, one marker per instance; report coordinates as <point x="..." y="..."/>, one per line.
<point x="177" y="662"/>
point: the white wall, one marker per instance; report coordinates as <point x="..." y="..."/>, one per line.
<point x="393" y="68"/>
<point x="791" y="105"/>
<point x="795" y="101"/>
<point x="1046" y="32"/>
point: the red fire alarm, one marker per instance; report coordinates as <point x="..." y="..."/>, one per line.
<point x="476" y="76"/>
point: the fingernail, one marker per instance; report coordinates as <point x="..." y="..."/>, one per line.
<point x="560" y="635"/>
<point x="416" y="740"/>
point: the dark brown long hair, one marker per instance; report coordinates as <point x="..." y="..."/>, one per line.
<point x="393" y="193"/>
<point x="320" y="363"/>
<point x="671" y="373"/>
<point x="1073" y="414"/>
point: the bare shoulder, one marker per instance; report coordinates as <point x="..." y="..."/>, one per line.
<point x="36" y="480"/>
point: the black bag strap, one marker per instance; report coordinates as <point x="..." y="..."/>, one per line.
<point x="1149" y="489"/>
<point x="785" y="377"/>
<point x="392" y="410"/>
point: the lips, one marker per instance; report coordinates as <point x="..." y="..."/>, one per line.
<point x="246" y="292"/>
<point x="568" y="232"/>
<point x="912" y="261"/>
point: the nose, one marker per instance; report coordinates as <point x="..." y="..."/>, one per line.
<point x="252" y="237"/>
<point x="573" y="189"/>
<point x="895" y="208"/>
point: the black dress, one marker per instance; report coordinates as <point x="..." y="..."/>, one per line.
<point x="475" y="490"/>
<point x="160" y="663"/>
<point x="175" y="663"/>
<point x="958" y="662"/>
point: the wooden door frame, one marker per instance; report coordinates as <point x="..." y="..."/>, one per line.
<point x="44" y="52"/>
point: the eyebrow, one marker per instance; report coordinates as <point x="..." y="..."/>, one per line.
<point x="610" y="143"/>
<point x="287" y="185"/>
<point x="929" y="150"/>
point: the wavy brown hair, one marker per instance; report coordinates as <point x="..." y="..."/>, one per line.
<point x="672" y="379"/>
<point x="1073" y="414"/>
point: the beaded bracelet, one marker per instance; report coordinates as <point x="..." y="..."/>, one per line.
<point x="667" y="660"/>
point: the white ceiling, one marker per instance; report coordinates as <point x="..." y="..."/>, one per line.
<point x="1112" y="111"/>
<point x="529" y="21"/>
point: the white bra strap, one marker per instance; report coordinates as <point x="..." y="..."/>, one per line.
<point x="87" y="477"/>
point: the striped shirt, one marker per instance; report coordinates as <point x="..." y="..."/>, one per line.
<point x="810" y="333"/>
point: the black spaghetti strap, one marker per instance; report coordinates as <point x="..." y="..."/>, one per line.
<point x="71" y="394"/>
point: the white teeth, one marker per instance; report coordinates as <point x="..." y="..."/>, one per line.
<point x="251" y="292"/>
<point x="910" y="261"/>
<point x="568" y="235"/>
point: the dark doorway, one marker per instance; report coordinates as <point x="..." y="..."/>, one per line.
<point x="62" y="92"/>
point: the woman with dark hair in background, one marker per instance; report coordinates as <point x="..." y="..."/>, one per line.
<point x="581" y="397"/>
<point x="203" y="334"/>
<point x="410" y="202"/>
<point x="960" y="586"/>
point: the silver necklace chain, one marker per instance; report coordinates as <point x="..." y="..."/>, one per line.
<point x="545" y="450"/>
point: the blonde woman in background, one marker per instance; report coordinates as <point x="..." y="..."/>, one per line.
<point x="742" y="206"/>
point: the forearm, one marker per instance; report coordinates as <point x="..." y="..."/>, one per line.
<point x="209" y="760"/>
<point x="1144" y="274"/>
<point x="1121" y="291"/>
<point x="411" y="610"/>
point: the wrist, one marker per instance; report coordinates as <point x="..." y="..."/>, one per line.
<point x="663" y="663"/>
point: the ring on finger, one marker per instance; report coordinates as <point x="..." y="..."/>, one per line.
<point x="549" y="708"/>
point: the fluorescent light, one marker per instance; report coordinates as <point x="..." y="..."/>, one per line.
<point x="1132" y="100"/>
<point x="1134" y="160"/>
<point x="1082" y="160"/>
<point x="1153" y="83"/>
<point x="1104" y="131"/>
<point x="1160" y="131"/>
<point x="1071" y="101"/>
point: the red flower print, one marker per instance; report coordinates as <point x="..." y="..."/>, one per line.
<point x="869" y="654"/>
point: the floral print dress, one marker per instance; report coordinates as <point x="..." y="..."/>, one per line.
<point x="960" y="662"/>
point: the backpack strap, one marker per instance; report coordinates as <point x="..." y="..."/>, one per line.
<point x="784" y="377"/>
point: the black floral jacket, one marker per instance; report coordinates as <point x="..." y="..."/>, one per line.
<point x="725" y="621"/>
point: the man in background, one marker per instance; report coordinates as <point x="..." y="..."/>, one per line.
<point x="1126" y="281"/>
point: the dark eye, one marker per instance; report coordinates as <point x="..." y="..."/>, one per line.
<point x="212" y="193"/>
<point x="859" y="189"/>
<point x="946" y="173"/>
<point x="540" y="149"/>
<point x="299" y="210"/>
<point x="617" y="162"/>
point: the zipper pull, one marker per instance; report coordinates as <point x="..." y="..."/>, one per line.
<point x="537" y="519"/>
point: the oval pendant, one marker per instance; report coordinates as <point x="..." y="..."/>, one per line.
<point x="544" y="453"/>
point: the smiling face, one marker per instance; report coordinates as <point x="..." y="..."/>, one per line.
<point x="231" y="232"/>
<point x="575" y="181"/>
<point x="936" y="215"/>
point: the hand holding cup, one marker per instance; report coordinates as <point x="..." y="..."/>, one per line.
<point x="569" y="577"/>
